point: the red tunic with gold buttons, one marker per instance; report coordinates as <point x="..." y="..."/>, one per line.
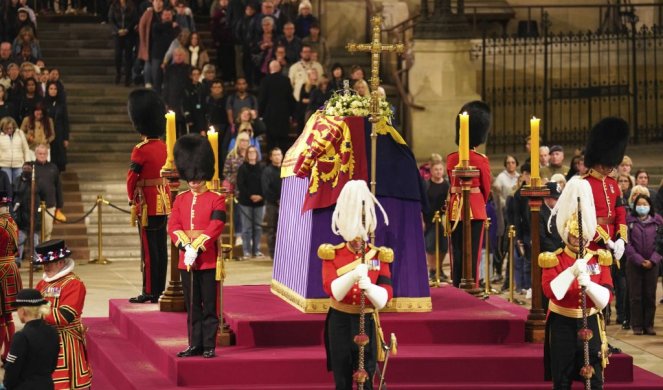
<point x="610" y="212"/>
<point x="144" y="183"/>
<point x="480" y="187"/>
<point x="346" y="260"/>
<point x="598" y="267"/>
<point x="198" y="219"/>
<point x="10" y="281"/>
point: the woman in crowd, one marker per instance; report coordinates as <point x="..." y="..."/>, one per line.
<point x="504" y="186"/>
<point x="437" y="189"/>
<point x="318" y="96"/>
<point x="625" y="167"/>
<point x="198" y="56"/>
<point x="26" y="37"/>
<point x="625" y="186"/>
<point x="337" y="77"/>
<point x="318" y="44"/>
<point x="56" y="108"/>
<point x="642" y="265"/>
<point x="263" y="48"/>
<point x="123" y="19"/>
<point x="304" y="20"/>
<point x="38" y="129"/>
<point x="209" y="75"/>
<point x="230" y="167"/>
<point x="361" y="87"/>
<point x="14" y="150"/>
<point x="180" y="42"/>
<point x="305" y="98"/>
<point x="642" y="179"/>
<point x="251" y="202"/>
<point x="254" y="126"/>
<point x="6" y="107"/>
<point x="30" y="98"/>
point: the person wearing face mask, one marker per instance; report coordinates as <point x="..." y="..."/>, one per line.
<point x="642" y="263"/>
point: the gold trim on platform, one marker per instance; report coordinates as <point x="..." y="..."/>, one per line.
<point x="321" y="305"/>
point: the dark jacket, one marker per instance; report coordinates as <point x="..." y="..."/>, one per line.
<point x="292" y="48"/>
<point x="550" y="241"/>
<point x="215" y="112"/>
<point x="520" y="216"/>
<point x="22" y="187"/>
<point x="49" y="184"/>
<point x="194" y="108"/>
<point x="33" y="357"/>
<point x="161" y="37"/>
<point x="123" y="18"/>
<point x="276" y="104"/>
<point x="642" y="239"/>
<point x="249" y="182"/>
<point x="57" y="110"/>
<point x="176" y="80"/>
<point x="271" y="184"/>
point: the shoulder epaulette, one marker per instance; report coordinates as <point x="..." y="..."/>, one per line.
<point x="326" y="252"/>
<point x="558" y="251"/>
<point x="139" y="145"/>
<point x="183" y="192"/>
<point x="548" y="260"/>
<point x="480" y="154"/>
<point x="605" y="257"/>
<point x="385" y="254"/>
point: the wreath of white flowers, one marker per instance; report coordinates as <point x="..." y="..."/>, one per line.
<point x="351" y="104"/>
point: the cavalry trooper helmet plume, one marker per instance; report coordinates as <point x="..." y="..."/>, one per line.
<point x="566" y="210"/>
<point x="607" y="143"/>
<point x="356" y="199"/>
<point x="194" y="158"/>
<point x="480" y="122"/>
<point x="147" y="112"/>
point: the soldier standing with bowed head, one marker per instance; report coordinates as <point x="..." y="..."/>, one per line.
<point x="349" y="268"/>
<point x="565" y="273"/>
<point x="480" y="121"/>
<point x="65" y="292"/>
<point x="195" y="225"/>
<point x="148" y="194"/>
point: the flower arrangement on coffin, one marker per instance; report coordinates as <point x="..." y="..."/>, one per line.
<point x="351" y="104"/>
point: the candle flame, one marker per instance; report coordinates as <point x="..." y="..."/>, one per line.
<point x="465" y="113"/>
<point x="211" y="130"/>
<point x="534" y="118"/>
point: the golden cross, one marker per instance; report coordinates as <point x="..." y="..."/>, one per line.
<point x="375" y="48"/>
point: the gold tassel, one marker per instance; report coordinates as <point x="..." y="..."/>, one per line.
<point x="143" y="215"/>
<point x="394" y="345"/>
<point x="220" y="272"/>
<point x="378" y="332"/>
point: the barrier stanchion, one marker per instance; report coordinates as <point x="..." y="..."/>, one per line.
<point x="436" y="220"/>
<point x="488" y="291"/>
<point x="231" y="197"/>
<point x="100" y="259"/>
<point x="42" y="214"/>
<point x="511" y="235"/>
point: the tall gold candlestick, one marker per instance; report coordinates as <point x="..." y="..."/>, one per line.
<point x="171" y="137"/>
<point x="464" y="139"/>
<point x="213" y="138"/>
<point x="534" y="150"/>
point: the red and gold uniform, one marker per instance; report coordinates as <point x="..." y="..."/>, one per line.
<point x="479" y="194"/>
<point x="10" y="280"/>
<point x="66" y="294"/>
<point x="563" y="351"/>
<point x="150" y="199"/>
<point x="610" y="211"/>
<point x="198" y="220"/>
<point x="343" y="317"/>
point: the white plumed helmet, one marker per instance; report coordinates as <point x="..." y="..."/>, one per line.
<point x="347" y="220"/>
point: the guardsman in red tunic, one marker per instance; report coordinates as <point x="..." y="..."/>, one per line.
<point x="66" y="294"/>
<point x="480" y="119"/>
<point x="147" y="191"/>
<point x="10" y="280"/>
<point x="195" y="225"/>
<point x="348" y="268"/>
<point x="604" y="152"/>
<point x="564" y="274"/>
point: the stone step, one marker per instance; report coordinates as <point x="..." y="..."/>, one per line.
<point x="112" y="128"/>
<point x="83" y="157"/>
<point x="79" y="42"/>
<point x="93" y="99"/>
<point x="51" y="54"/>
<point x="88" y="70"/>
<point x="55" y="24"/>
<point x="81" y="138"/>
<point x="108" y="79"/>
<point x="108" y="148"/>
<point x="97" y="109"/>
<point x="95" y="118"/>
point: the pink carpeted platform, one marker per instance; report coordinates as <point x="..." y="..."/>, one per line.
<point x="465" y="343"/>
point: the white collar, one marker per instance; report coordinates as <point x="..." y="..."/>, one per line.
<point x="64" y="271"/>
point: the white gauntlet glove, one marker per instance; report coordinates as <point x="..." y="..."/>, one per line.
<point x="376" y="294"/>
<point x="597" y="293"/>
<point x="341" y="285"/>
<point x="618" y="249"/>
<point x="190" y="255"/>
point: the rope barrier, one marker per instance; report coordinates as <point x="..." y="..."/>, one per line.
<point x="116" y="207"/>
<point x="74" y="221"/>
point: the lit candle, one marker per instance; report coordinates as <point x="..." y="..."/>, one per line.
<point x="464" y="138"/>
<point x="171" y="137"/>
<point x="213" y="138"/>
<point x="534" y="148"/>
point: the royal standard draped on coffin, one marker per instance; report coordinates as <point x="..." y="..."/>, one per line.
<point x="331" y="151"/>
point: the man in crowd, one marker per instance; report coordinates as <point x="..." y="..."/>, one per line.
<point x="217" y="117"/>
<point x="291" y="42"/>
<point x="150" y="18"/>
<point x="5" y="54"/>
<point x="276" y="106"/>
<point x="240" y="99"/>
<point x="544" y="156"/>
<point x="10" y="280"/>
<point x="22" y="196"/>
<point x="49" y="184"/>
<point x="298" y="73"/>
<point x="34" y="350"/>
<point x="65" y="292"/>
<point x="271" y="189"/>
<point x="148" y="196"/>
<point x="556" y="163"/>
<point x="195" y="225"/>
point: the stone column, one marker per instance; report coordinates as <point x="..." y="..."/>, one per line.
<point x="442" y="79"/>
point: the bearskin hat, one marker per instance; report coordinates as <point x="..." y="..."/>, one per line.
<point x="194" y="158"/>
<point x="607" y="143"/>
<point x="480" y="121"/>
<point x="147" y="112"/>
